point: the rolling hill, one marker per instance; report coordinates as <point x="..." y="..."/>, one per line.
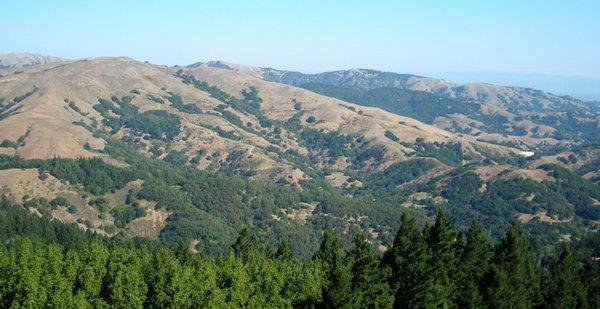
<point x="516" y="116"/>
<point x="194" y="154"/>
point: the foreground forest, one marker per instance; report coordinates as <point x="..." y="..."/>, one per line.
<point x="50" y="264"/>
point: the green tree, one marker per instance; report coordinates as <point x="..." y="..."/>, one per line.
<point x="331" y="256"/>
<point x="513" y="281"/>
<point x="564" y="288"/>
<point x="304" y="283"/>
<point x="126" y="283"/>
<point x="57" y="283"/>
<point x="369" y="286"/>
<point x="205" y="292"/>
<point x="247" y="245"/>
<point x="170" y="286"/>
<point x="284" y="252"/>
<point x="592" y="283"/>
<point x="474" y="265"/>
<point x="407" y="260"/>
<point x="234" y="282"/>
<point x="91" y="276"/>
<point x="268" y="277"/>
<point x="442" y="288"/>
<point x="27" y="290"/>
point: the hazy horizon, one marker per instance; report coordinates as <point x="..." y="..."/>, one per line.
<point x="550" y="45"/>
<point x="574" y="86"/>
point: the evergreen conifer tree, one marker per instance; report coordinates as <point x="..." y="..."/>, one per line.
<point x="445" y="247"/>
<point x="369" y="286"/>
<point x="513" y="281"/>
<point x="407" y="260"/>
<point x="331" y="256"/>
<point x="564" y="288"/>
<point x="247" y="246"/>
<point x="474" y="265"/>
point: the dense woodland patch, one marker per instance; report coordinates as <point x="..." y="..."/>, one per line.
<point x="573" y="124"/>
<point x="44" y="263"/>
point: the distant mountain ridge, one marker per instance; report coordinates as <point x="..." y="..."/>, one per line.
<point x="360" y="78"/>
<point x="489" y="112"/>
<point x="20" y="60"/>
<point x="371" y="79"/>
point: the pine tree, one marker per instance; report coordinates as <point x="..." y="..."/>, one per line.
<point x="304" y="283"/>
<point x="445" y="248"/>
<point x="564" y="288"/>
<point x="268" y="279"/>
<point x="170" y="282"/>
<point x="27" y="288"/>
<point x="234" y="282"/>
<point x="284" y="252"/>
<point x="407" y="260"/>
<point x="369" y="289"/>
<point x="72" y="265"/>
<point x="331" y="256"/>
<point x="7" y="267"/>
<point x="513" y="281"/>
<point x="205" y="292"/>
<point x="592" y="282"/>
<point x="91" y="276"/>
<point x="127" y="288"/>
<point x="57" y="285"/>
<point x="474" y="265"/>
<point x="247" y="246"/>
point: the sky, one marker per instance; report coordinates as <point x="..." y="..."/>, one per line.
<point x="552" y="45"/>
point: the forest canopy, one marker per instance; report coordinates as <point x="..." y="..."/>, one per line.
<point x="56" y="265"/>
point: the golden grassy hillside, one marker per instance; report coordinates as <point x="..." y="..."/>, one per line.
<point x="46" y="107"/>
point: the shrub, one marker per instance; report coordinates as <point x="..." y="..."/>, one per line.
<point x="297" y="105"/>
<point x="60" y="201"/>
<point x="389" y="134"/>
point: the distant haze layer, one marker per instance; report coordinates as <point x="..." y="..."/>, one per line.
<point x="580" y="87"/>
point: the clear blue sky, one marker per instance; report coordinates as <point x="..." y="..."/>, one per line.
<point x="461" y="40"/>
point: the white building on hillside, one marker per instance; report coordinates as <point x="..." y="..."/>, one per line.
<point x="526" y="154"/>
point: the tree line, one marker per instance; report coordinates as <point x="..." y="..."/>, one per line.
<point x="431" y="266"/>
